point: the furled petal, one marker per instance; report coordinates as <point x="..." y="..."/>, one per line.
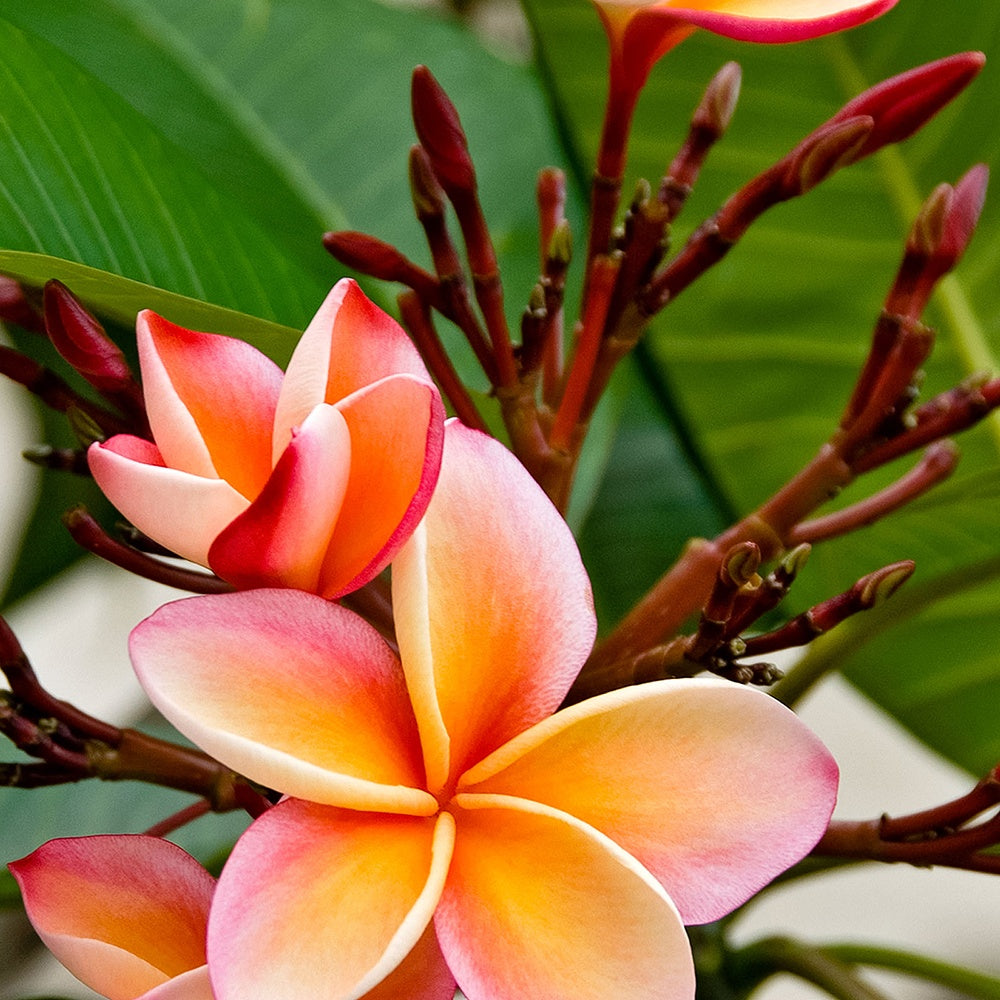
<point x="282" y="537"/>
<point x="714" y="787"/>
<point x="125" y="914"/>
<point x="323" y="902"/>
<point x="210" y="400"/>
<point x="396" y="436"/>
<point x="350" y="343"/>
<point x="290" y="690"/>
<point x="539" y="905"/>
<point x="182" y="512"/>
<point x="492" y="604"/>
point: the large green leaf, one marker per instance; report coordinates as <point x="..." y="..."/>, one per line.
<point x="204" y="148"/>
<point x="88" y="178"/>
<point x="760" y="355"/>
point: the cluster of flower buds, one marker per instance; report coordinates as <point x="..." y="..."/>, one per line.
<point x="547" y="402"/>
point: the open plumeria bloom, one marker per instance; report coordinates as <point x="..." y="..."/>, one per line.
<point x="125" y="914"/>
<point x="641" y="32"/>
<point x="443" y="822"/>
<point x="310" y="480"/>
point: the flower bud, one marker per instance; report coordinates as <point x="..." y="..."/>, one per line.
<point x="82" y="342"/>
<point x="904" y="103"/>
<point x="440" y="132"/>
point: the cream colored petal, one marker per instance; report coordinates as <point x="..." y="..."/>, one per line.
<point x="182" y="512"/>
<point x="493" y="608"/>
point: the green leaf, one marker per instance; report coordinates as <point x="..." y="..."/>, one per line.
<point x="88" y="178"/>
<point x="119" y="299"/>
<point x="263" y="124"/>
<point x="761" y="354"/>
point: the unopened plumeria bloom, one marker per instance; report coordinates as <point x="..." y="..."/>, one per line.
<point x="127" y="915"/>
<point x="443" y="822"/>
<point x="310" y="480"/>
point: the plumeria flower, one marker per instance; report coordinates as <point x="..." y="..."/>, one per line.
<point x="639" y="33"/>
<point x="127" y="915"/>
<point x="443" y="822"/>
<point x="311" y="480"/>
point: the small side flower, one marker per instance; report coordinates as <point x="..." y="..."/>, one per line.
<point x="312" y="479"/>
<point x="127" y="915"/>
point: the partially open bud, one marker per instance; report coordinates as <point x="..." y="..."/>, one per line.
<point x="718" y="104"/>
<point x="927" y="230"/>
<point x="937" y="240"/>
<point x="963" y="214"/>
<point x="428" y="195"/>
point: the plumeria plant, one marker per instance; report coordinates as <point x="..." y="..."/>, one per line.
<point x="490" y="726"/>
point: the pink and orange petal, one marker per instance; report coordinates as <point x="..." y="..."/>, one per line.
<point x="538" y="904"/>
<point x="396" y="429"/>
<point x="251" y="471"/>
<point x="323" y="716"/>
<point x="282" y="538"/>
<point x="326" y="902"/>
<point x="714" y="788"/>
<point x="490" y="645"/>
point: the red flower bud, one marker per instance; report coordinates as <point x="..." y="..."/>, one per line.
<point x="82" y="342"/>
<point x="440" y="132"/>
<point x="904" y="103"/>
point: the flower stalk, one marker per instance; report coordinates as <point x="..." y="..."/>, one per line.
<point x="962" y="833"/>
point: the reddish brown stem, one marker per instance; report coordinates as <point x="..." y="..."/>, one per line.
<point x="54" y="392"/>
<point x="571" y="407"/>
<point x="486" y="283"/>
<point x="88" y="534"/>
<point x="867" y="593"/>
<point x="428" y="200"/>
<point x="417" y="320"/>
<point x="180" y="818"/>
<point x="25" y="687"/>
<point x="944" y="835"/>
<point x="937" y="464"/>
<point x="948" y="413"/>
